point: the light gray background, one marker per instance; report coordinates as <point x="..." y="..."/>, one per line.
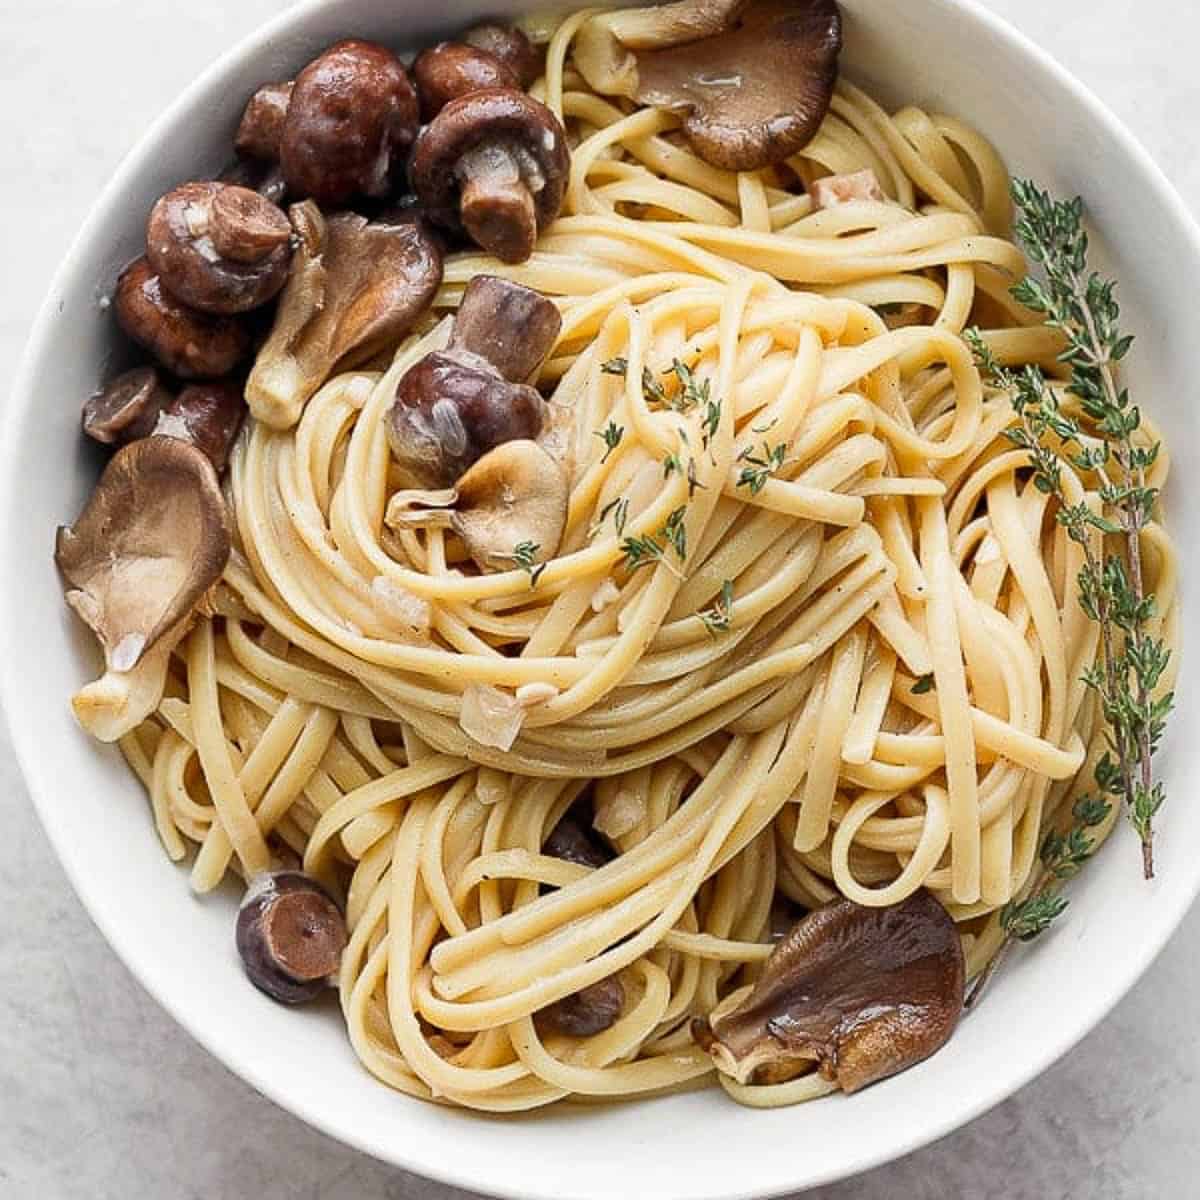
<point x="102" y="1096"/>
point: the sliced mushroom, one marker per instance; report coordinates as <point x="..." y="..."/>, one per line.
<point x="509" y="509"/>
<point x="584" y="1013"/>
<point x="751" y="93"/>
<point x="455" y="405"/>
<point x="861" y="992"/>
<point x="125" y="408"/>
<point x="493" y="162"/>
<point x="290" y="936"/>
<point x="355" y="286"/>
<point x="208" y="415"/>
<point x="511" y="47"/>
<point x="148" y="546"/>
<point x="350" y="120"/>
<point x="451" y="69"/>
<point x="218" y="247"/>
<point x="190" y="344"/>
<point x="261" y="128"/>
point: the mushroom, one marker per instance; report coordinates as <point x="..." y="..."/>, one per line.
<point x="455" y="405"/>
<point x="511" y="47"/>
<point x="261" y="128"/>
<point x="265" y="178"/>
<point x="126" y="408"/>
<point x="208" y="415"/>
<point x="751" y="93"/>
<point x="350" y="121"/>
<point x="861" y="992"/>
<point x="355" y="286"/>
<point x="584" y="1013"/>
<point x="452" y="69"/>
<point x="510" y="508"/>
<point x="151" y="541"/>
<point x="190" y="344"/>
<point x="493" y="162"/>
<point x="218" y="247"/>
<point x="290" y="936"/>
<point x="571" y="840"/>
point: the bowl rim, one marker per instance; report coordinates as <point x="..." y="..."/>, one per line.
<point x="38" y="779"/>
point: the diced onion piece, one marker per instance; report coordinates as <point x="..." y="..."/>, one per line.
<point x="410" y="610"/>
<point x="606" y="594"/>
<point x="490" y="716"/>
<point x="618" y="812"/>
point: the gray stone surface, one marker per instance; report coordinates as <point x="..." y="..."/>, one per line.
<point x="103" y="1098"/>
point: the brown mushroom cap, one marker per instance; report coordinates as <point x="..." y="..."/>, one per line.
<point x="261" y="128"/>
<point x="150" y="542"/>
<point x="451" y="69"/>
<point x="126" y="408"/>
<point x="585" y="1013"/>
<point x="511" y="47"/>
<point x="190" y="344"/>
<point x="218" y="247"/>
<point x="511" y="326"/>
<point x="750" y="95"/>
<point x="208" y="415"/>
<point x="515" y="495"/>
<point x="355" y="286"/>
<point x="861" y="992"/>
<point x="494" y="163"/>
<point x="350" y="121"/>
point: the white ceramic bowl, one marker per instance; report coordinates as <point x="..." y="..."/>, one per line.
<point x="944" y="53"/>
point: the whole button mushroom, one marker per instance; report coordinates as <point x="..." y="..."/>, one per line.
<point x="290" y="936"/>
<point x="126" y="408"/>
<point x="511" y="47"/>
<point x="350" y="121"/>
<point x="261" y="128"/>
<point x="219" y="248"/>
<point x="861" y="993"/>
<point x="453" y="406"/>
<point x="495" y="163"/>
<point x="753" y="82"/>
<point x="208" y="415"/>
<point x="451" y="69"/>
<point x="189" y="343"/>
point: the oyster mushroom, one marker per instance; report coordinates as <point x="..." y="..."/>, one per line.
<point x="355" y="285"/>
<point x="290" y="936"/>
<point x="455" y="405"/>
<point x="861" y="992"/>
<point x="218" y="247"/>
<point x="125" y="408"/>
<point x="351" y="117"/>
<point x="151" y="541"/>
<point x="509" y="509"/>
<point x="493" y="162"/>
<point x="751" y="92"/>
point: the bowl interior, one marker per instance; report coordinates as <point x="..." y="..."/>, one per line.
<point x="942" y="54"/>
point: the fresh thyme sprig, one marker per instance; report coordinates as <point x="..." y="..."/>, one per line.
<point x="650" y="549"/>
<point x="524" y="557"/>
<point x="718" y="618"/>
<point x="760" y="467"/>
<point x="611" y="436"/>
<point x="1103" y="442"/>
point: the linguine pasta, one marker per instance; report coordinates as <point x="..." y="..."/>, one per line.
<point x="848" y="662"/>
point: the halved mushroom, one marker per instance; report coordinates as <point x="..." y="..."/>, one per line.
<point x="125" y="408"/>
<point x="151" y="541"/>
<point x="290" y="936"/>
<point x="455" y="405"/>
<point x="751" y="93"/>
<point x="355" y="286"/>
<point x="493" y="162"/>
<point x="218" y="247"/>
<point x="861" y="992"/>
<point x="510" y="508"/>
<point x="350" y="120"/>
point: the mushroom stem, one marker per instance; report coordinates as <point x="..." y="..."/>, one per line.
<point x="416" y="508"/>
<point x="244" y="227"/>
<point x="496" y="205"/>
